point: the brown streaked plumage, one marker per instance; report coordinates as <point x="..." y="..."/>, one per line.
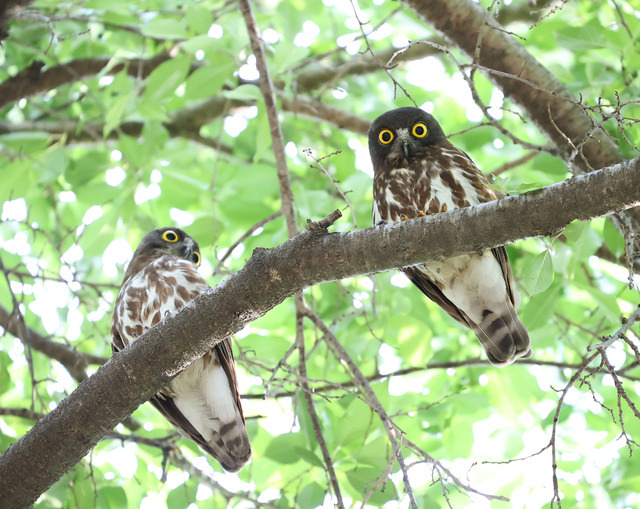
<point x="417" y="172"/>
<point x="203" y="400"/>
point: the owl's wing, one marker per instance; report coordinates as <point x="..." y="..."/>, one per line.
<point x="429" y="288"/>
<point x="501" y="255"/>
<point x="226" y="436"/>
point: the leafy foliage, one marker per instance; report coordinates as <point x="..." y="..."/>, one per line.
<point x="152" y="116"/>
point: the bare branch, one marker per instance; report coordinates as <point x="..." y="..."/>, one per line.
<point x="267" y="89"/>
<point x="392" y="432"/>
<point x="315" y="422"/>
<point x="23" y="413"/>
<point x="245" y="236"/>
<point x="75" y="362"/>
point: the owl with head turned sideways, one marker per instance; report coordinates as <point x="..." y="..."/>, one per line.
<point x="203" y="401"/>
<point x="418" y="172"/>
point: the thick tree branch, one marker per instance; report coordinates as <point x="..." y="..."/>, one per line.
<point x="33" y="80"/>
<point x="521" y="77"/>
<point x="37" y="460"/>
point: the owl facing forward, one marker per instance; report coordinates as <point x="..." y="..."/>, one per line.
<point x="418" y="172"/>
<point x="203" y="401"/>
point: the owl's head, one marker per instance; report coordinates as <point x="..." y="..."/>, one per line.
<point x="400" y="134"/>
<point x="163" y="241"/>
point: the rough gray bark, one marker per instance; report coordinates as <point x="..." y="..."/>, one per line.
<point x="64" y="436"/>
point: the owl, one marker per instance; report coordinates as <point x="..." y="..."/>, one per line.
<point x="202" y="402"/>
<point x="418" y="172"/>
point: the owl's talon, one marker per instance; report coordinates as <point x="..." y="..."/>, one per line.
<point x="404" y="217"/>
<point x="444" y="207"/>
<point x="420" y="214"/>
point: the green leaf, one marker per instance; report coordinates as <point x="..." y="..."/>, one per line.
<point x="374" y="453"/>
<point x="244" y="93"/>
<point x="459" y="437"/>
<point x="165" y="78"/>
<point x="211" y="47"/>
<point x="363" y="479"/>
<point x="574" y="230"/>
<point x="263" y="139"/>
<point x="152" y="111"/>
<point x="207" y="81"/>
<point x="287" y="59"/>
<point x="537" y="311"/>
<point x="312" y="495"/>
<point x="607" y="304"/>
<point x="613" y="239"/>
<point x="111" y="496"/>
<point x="5" y="378"/>
<point x="199" y="18"/>
<point x="132" y="150"/>
<point x="26" y="141"/>
<point x="114" y="114"/>
<point x="584" y="240"/>
<point x="164" y="28"/>
<point x="581" y="38"/>
<point x="182" y="496"/>
<point x="17" y="179"/>
<point x="84" y="169"/>
<point x="309" y="456"/>
<point x="537" y="273"/>
<point x="282" y="448"/>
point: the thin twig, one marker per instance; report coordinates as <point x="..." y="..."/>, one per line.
<point x="620" y="333"/>
<point x="315" y="422"/>
<point x="245" y="236"/>
<point x="373" y="400"/>
<point x="267" y="89"/>
<point x="513" y="164"/>
<point x="320" y="167"/>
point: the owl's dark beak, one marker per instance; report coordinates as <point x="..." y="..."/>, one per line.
<point x="404" y="145"/>
<point x="406" y="148"/>
<point x="186" y="250"/>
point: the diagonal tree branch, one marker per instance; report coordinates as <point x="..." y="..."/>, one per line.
<point x="37" y="460"/>
<point x="268" y="93"/>
<point x="520" y="76"/>
<point x="33" y="80"/>
<point x="75" y="362"/>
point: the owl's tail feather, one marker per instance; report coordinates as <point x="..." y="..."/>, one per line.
<point x="503" y="336"/>
<point x="226" y="440"/>
<point x="230" y="446"/>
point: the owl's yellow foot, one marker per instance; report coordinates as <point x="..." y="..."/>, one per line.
<point x="420" y="214"/>
<point x="444" y="207"/>
<point x="404" y="217"/>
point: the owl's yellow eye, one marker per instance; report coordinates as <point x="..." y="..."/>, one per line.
<point x="170" y="236"/>
<point x="419" y="130"/>
<point x="195" y="257"/>
<point x="385" y="136"/>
